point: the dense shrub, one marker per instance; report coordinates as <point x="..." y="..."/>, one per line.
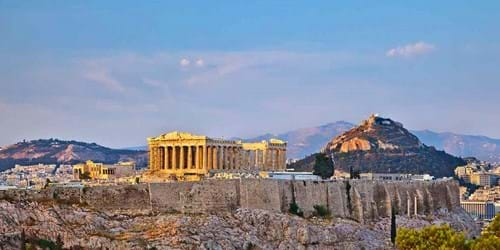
<point x="295" y="209"/>
<point x="321" y="211"/>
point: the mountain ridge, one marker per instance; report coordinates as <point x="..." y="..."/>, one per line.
<point x="54" y="151"/>
<point x="300" y="146"/>
<point x="382" y="145"/>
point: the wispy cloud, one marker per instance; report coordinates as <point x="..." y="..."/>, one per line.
<point x="411" y="50"/>
<point x="104" y="77"/>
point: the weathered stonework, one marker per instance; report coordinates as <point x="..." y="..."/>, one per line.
<point x="360" y="200"/>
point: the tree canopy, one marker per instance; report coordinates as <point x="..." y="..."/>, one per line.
<point x="444" y="237"/>
<point x="323" y="166"/>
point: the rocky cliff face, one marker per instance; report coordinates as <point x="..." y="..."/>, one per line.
<point x="80" y="226"/>
<point x="384" y="146"/>
<point x="55" y="151"/>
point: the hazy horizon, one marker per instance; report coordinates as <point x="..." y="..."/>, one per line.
<point x="115" y="72"/>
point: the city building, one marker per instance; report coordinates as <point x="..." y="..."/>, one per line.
<point x="293" y="176"/>
<point x="486" y="194"/>
<point x="464" y="172"/>
<point x="483" y="210"/>
<point x="395" y="176"/>
<point x="103" y="171"/>
<point x="484" y="179"/>
<point x="185" y="155"/>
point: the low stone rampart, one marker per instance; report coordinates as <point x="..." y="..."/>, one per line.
<point x="195" y="197"/>
<point x="360" y="200"/>
<point x="122" y="197"/>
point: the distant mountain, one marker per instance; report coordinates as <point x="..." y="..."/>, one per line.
<point x="53" y="151"/>
<point x="382" y="145"/>
<point x="306" y="141"/>
<point x="481" y="147"/>
<point x="138" y="148"/>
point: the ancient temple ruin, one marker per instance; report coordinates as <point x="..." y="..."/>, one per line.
<point x="180" y="154"/>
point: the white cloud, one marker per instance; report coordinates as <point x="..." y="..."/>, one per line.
<point x="200" y="63"/>
<point x="184" y="62"/>
<point x="411" y="50"/>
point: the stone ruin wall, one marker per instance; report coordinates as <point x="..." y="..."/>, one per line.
<point x="360" y="200"/>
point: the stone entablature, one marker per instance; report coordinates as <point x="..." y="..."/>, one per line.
<point x="180" y="153"/>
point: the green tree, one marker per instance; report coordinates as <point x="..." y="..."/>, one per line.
<point x="321" y="211"/>
<point x="490" y="237"/>
<point x="393" y="225"/>
<point x="443" y="237"/>
<point x="353" y="174"/>
<point x="295" y="209"/>
<point x="323" y="166"/>
<point x="23" y="240"/>
<point x="433" y="237"/>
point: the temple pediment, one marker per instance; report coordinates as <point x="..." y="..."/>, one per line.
<point x="176" y="135"/>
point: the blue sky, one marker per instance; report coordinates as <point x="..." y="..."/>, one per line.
<point x="115" y="72"/>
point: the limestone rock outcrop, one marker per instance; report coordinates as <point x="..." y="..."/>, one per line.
<point x="242" y="229"/>
<point x="385" y="146"/>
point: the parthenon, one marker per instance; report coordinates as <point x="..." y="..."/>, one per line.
<point x="180" y="153"/>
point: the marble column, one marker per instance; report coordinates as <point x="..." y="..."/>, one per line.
<point x="197" y="157"/>
<point x="265" y="159"/>
<point x="238" y="158"/>
<point x="231" y="157"/>
<point x="156" y="153"/>
<point x="181" y="158"/>
<point x="275" y="159"/>
<point x="282" y="159"/>
<point x="174" y="157"/>
<point x="210" y="159"/>
<point x="190" y="158"/>
<point x="224" y="157"/>
<point x="167" y="165"/>
<point x="215" y="158"/>
<point x="235" y="158"/>
<point x="160" y="156"/>
<point x="256" y="158"/>
<point x="204" y="157"/>
<point x="151" y="158"/>
<point x="220" y="160"/>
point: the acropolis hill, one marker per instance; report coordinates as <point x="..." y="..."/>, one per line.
<point x="228" y="214"/>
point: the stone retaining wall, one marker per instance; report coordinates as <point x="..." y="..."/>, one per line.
<point x="360" y="200"/>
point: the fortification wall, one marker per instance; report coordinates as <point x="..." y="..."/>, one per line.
<point x="123" y="197"/>
<point x="195" y="197"/>
<point x="261" y="194"/>
<point x="360" y="200"/>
